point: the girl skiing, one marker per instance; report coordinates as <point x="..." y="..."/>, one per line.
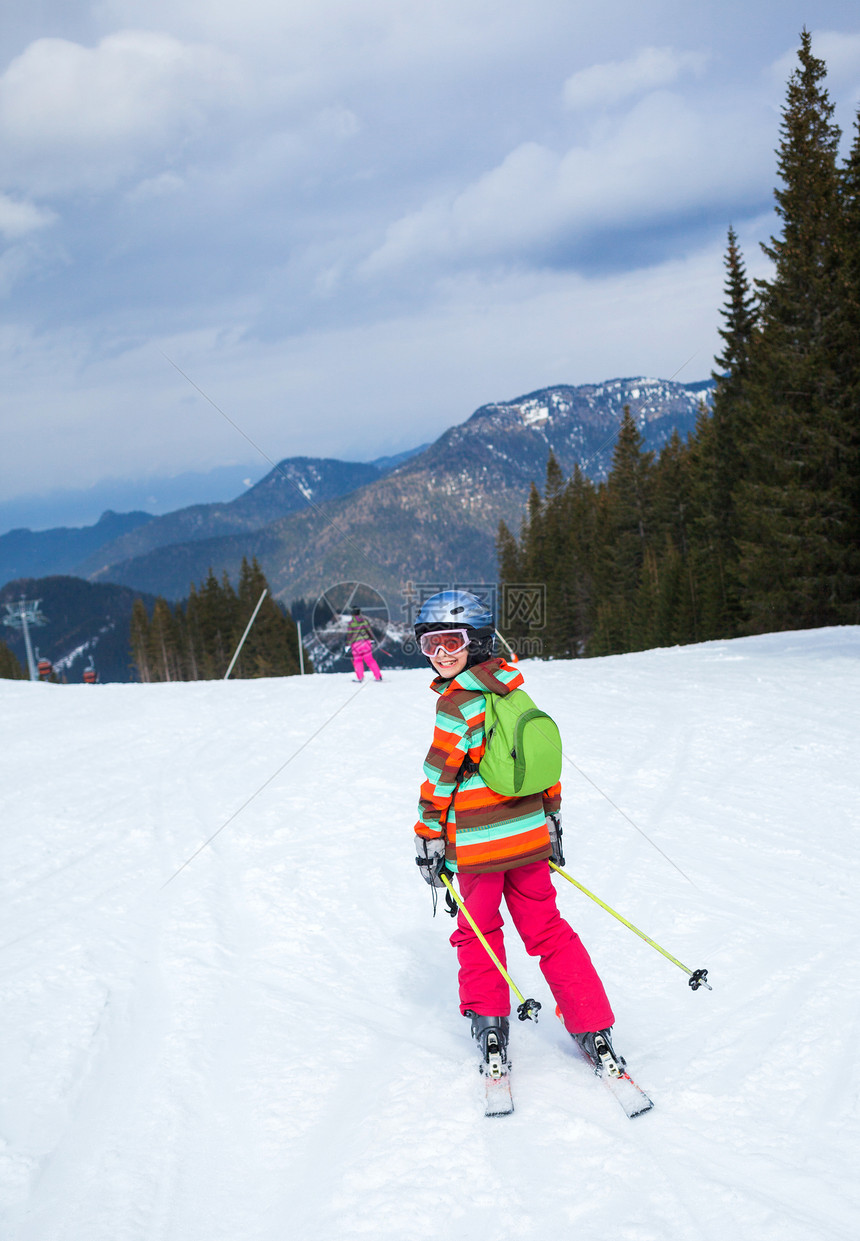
<point x="497" y="846"/>
<point x="359" y="642"/>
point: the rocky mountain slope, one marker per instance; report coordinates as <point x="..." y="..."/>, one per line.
<point x="288" y="488"/>
<point x="578" y="424"/>
<point x="434" y="518"/>
<point x="116" y="537"/>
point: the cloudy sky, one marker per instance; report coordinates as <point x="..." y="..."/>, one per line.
<point x="351" y="222"/>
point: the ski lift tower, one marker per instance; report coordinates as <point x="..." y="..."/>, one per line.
<point x="22" y="615"/>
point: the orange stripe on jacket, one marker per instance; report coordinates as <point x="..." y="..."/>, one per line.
<point x="484" y="830"/>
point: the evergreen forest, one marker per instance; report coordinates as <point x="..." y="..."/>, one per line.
<point x="11" y="668"/>
<point x="195" y="640"/>
<point x="752" y="524"/>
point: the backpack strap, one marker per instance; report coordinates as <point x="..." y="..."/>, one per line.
<point x="467" y="770"/>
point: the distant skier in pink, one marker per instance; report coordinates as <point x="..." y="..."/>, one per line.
<point x="359" y="642"/>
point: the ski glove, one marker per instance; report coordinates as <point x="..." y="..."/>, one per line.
<point x="553" y="822"/>
<point x="431" y="859"/>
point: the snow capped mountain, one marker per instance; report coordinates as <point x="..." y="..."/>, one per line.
<point x="432" y="517"/>
<point x="579" y="423"/>
<point x="649" y="399"/>
<point x="288" y="488"/>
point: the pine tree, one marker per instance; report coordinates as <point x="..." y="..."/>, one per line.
<point x="271" y="648"/>
<point x="848" y="336"/>
<point x="578" y="561"/>
<point x="792" y="504"/>
<point x="754" y="524"/>
<point x="556" y="579"/>
<point x="163" y="650"/>
<point x="719" y="461"/>
<point x="512" y="624"/>
<point x="217" y="616"/>
<point x="193" y="639"/>
<point x="672" y="612"/>
<point x="534" y="561"/>
<point x="533" y="542"/>
<point x="139" y="636"/>
<point x="508" y="554"/>
<point x="555" y="553"/>
<point x="671" y="494"/>
<point x="10" y="666"/>
<point x="740" y="317"/>
<point x="622" y="537"/>
<point x="197" y="641"/>
<point x="558" y="555"/>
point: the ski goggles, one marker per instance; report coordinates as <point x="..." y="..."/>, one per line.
<point x="444" y="642"/>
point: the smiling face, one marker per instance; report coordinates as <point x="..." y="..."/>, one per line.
<point x="449" y="665"/>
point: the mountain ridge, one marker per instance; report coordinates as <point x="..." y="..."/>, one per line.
<point x="434" y="517"/>
<point x="83" y="551"/>
<point x="287" y="488"/>
<point x="45" y="553"/>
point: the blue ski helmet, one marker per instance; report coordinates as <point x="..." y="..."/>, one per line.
<point x="458" y="609"/>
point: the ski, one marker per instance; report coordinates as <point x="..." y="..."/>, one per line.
<point x="612" y="1071"/>
<point x="631" y="1096"/>
<point x="498" y="1100"/>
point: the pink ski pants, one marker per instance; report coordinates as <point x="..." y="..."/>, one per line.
<point x="530" y="897"/>
<point x="362" y="653"/>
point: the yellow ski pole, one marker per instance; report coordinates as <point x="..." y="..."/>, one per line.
<point x="697" y="978"/>
<point x="528" y="1009"/>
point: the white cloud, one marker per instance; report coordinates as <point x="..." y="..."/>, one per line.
<point x="841" y="53"/>
<point x="19" y="218"/>
<point x="601" y="86"/>
<point x="338" y="122"/>
<point x="14" y="266"/>
<point x="75" y="117"/>
<point x="226" y="176"/>
<point x="662" y="159"/>
<point x="335" y="33"/>
<point x="402" y="379"/>
<point x="164" y="185"/>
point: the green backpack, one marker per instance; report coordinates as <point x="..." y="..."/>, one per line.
<point x="522" y="754"/>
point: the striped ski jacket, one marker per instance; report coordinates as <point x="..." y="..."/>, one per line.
<point x="359" y="630"/>
<point x="483" y="830"/>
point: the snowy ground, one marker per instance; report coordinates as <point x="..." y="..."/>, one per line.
<point x="269" y="1046"/>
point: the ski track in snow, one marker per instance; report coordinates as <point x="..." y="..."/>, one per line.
<point x="270" y="1046"/>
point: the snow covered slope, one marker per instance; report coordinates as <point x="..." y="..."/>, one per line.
<point x="269" y="1046"/>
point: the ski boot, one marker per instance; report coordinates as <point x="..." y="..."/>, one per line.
<point x="492" y="1036"/>
<point x="597" y="1047"/>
